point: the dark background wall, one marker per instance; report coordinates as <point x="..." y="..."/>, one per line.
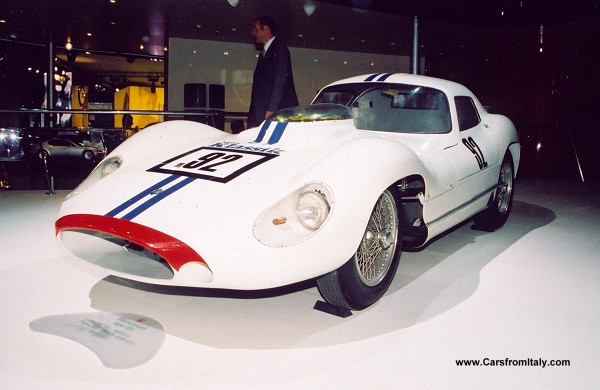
<point x="551" y="95"/>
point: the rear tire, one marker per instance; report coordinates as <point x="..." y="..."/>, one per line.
<point x="364" y="279"/>
<point x="499" y="209"/>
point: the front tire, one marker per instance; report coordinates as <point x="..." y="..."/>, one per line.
<point x="497" y="213"/>
<point x="364" y="279"/>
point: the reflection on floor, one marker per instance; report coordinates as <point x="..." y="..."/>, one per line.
<point x="524" y="294"/>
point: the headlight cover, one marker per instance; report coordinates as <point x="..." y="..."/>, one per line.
<point x="110" y="165"/>
<point x="103" y="169"/>
<point x="312" y="209"/>
<point x="296" y="217"/>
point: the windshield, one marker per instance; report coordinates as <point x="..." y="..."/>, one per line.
<point x="313" y="113"/>
<point x="390" y="107"/>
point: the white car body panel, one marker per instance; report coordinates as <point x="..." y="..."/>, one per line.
<point x="215" y="215"/>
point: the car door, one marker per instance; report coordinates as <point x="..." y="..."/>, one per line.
<point x="475" y="153"/>
<point x="59" y="147"/>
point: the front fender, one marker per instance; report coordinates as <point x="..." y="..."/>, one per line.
<point x="358" y="172"/>
<point x="164" y="137"/>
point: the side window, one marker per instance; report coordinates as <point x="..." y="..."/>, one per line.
<point x="468" y="116"/>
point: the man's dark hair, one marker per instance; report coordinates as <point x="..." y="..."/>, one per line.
<point x="266" y="21"/>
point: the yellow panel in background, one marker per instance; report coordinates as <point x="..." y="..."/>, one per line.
<point x="139" y="98"/>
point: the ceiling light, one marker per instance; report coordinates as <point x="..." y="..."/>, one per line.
<point x="233" y="3"/>
<point x="309" y="7"/>
<point x="89" y="34"/>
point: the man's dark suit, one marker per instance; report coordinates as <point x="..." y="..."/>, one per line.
<point x="273" y="83"/>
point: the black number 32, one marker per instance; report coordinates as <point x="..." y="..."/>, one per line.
<point x="474" y="148"/>
<point x="214" y="158"/>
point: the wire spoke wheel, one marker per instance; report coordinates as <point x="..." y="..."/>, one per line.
<point x="505" y="188"/>
<point x="375" y="253"/>
<point x="499" y="208"/>
<point x="363" y="279"/>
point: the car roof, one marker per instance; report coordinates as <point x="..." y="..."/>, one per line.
<point x="449" y="87"/>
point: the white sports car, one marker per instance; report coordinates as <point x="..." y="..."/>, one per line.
<point x="331" y="191"/>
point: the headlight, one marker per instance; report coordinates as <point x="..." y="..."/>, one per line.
<point x="296" y="217"/>
<point x="312" y="209"/>
<point x="110" y="165"/>
<point x="105" y="168"/>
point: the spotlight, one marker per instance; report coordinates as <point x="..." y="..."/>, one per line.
<point x="309" y="7"/>
<point x="233" y="3"/>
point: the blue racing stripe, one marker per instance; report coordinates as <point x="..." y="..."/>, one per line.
<point x="372" y="77"/>
<point x="384" y="77"/>
<point x="277" y="133"/>
<point x="157" y="198"/>
<point x="263" y="131"/>
<point x="141" y="195"/>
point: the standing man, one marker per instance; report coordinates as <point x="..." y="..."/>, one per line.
<point x="273" y="83"/>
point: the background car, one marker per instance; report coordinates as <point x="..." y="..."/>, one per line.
<point x="60" y="147"/>
<point x="332" y="191"/>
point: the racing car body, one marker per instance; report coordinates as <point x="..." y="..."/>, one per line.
<point x="332" y="191"/>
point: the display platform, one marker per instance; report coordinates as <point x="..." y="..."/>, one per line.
<point x="521" y="300"/>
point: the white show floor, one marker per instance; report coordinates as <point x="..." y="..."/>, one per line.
<point x="528" y="291"/>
